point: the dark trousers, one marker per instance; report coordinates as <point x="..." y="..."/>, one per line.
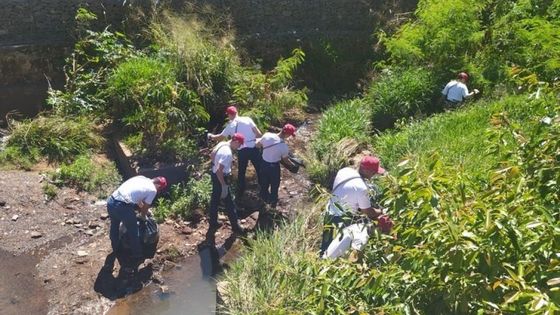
<point x="215" y="202"/>
<point x="246" y="155"/>
<point x="270" y="181"/>
<point x="330" y="224"/>
<point x="124" y="212"/>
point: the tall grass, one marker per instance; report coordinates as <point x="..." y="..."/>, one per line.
<point x="55" y="138"/>
<point x="457" y="137"/>
<point x="265" y="278"/>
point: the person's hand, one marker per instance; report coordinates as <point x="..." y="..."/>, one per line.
<point x="385" y="223"/>
<point x="225" y="191"/>
<point x="476" y="91"/>
<point x="209" y="136"/>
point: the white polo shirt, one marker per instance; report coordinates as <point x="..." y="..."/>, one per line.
<point x="274" y="148"/>
<point x="456" y="91"/>
<point x="136" y="189"/>
<point x="243" y="125"/>
<point x="351" y="195"/>
<point x="223" y="156"/>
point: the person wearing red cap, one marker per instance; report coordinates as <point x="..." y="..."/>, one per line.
<point x="137" y="193"/>
<point x="222" y="158"/>
<point x="351" y="197"/>
<point x="247" y="152"/>
<point x="274" y="150"/>
<point x="456" y="91"/>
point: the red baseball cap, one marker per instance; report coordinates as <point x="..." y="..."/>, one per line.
<point x="162" y="181"/>
<point x="463" y="76"/>
<point x="371" y="163"/>
<point x="289" y="129"/>
<point x="231" y="110"/>
<point x="238" y="137"/>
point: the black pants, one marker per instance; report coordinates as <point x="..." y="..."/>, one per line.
<point x="215" y="202"/>
<point x="246" y="155"/>
<point x="270" y="181"/>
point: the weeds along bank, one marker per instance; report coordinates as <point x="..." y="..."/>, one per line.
<point x="473" y="192"/>
<point x="158" y="94"/>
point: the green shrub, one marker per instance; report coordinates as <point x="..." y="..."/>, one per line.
<point x="202" y="54"/>
<point x="95" y="55"/>
<point x="56" y="138"/>
<point x="87" y="175"/>
<point x="146" y="97"/>
<point x="270" y="97"/>
<point x="14" y="157"/>
<point x="401" y="93"/>
<point x="184" y="200"/>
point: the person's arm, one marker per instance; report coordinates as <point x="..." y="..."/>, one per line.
<point x="218" y="137"/>
<point x="220" y="175"/>
<point x="466" y="93"/>
<point x="259" y="144"/>
<point x="228" y="131"/>
<point x="372" y="213"/>
<point x="143" y="208"/>
<point x="257" y="132"/>
<point x="286" y="160"/>
<point x="445" y="89"/>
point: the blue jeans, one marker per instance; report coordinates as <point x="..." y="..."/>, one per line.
<point x="244" y="156"/>
<point x="270" y="181"/>
<point x="215" y="202"/>
<point x="124" y="212"/>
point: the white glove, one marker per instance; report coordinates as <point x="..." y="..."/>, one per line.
<point x="225" y="191"/>
<point x="209" y="136"/>
<point x="476" y="91"/>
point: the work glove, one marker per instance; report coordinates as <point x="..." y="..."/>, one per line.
<point x="476" y="91"/>
<point x="209" y="136"/>
<point x="385" y="223"/>
<point x="225" y="191"/>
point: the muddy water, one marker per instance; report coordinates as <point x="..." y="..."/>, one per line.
<point x="191" y="288"/>
<point x="20" y="290"/>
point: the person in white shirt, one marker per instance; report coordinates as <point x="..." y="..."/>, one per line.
<point x="137" y="193"/>
<point x="222" y="158"/>
<point x="274" y="150"/>
<point x="350" y="197"/>
<point x="456" y="91"/>
<point x="247" y="152"/>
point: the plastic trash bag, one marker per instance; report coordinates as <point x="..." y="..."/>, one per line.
<point x="355" y="236"/>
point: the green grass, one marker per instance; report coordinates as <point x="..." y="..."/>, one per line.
<point x="85" y="174"/>
<point x="456" y="137"/>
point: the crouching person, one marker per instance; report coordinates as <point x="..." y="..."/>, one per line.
<point x="135" y="194"/>
<point x="222" y="158"/>
<point x="274" y="150"/>
<point x="350" y="200"/>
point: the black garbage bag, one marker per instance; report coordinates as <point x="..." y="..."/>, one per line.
<point x="297" y="163"/>
<point x="149" y="238"/>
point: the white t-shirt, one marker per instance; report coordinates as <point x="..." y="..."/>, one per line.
<point x="352" y="195"/>
<point x="136" y="189"/>
<point x="223" y="156"/>
<point x="243" y="125"/>
<point x="273" y="152"/>
<point x="456" y="91"/>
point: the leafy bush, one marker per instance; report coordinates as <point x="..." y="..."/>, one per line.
<point x="202" y="54"/>
<point x="146" y="97"/>
<point x="269" y="97"/>
<point x="94" y="56"/>
<point x="184" y="200"/>
<point x="401" y="93"/>
<point x="87" y="175"/>
<point x="56" y="138"/>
